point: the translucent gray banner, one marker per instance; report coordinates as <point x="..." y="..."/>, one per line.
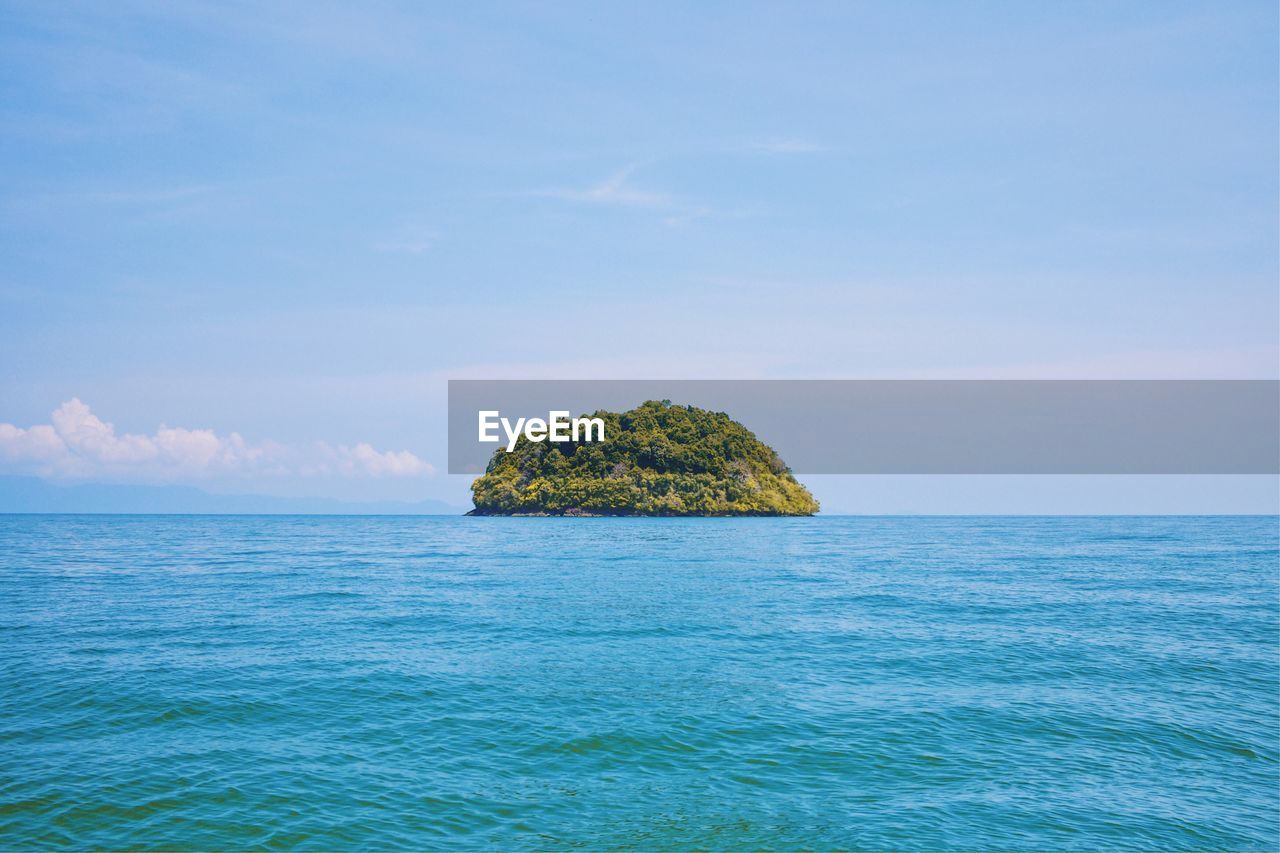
<point x="933" y="426"/>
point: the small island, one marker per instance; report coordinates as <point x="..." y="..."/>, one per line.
<point x="657" y="459"/>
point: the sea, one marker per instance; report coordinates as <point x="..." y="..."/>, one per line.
<point x="454" y="683"/>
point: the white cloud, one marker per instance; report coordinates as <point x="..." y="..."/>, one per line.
<point x="786" y="146"/>
<point x="363" y="460"/>
<point x="412" y="239"/>
<point x="78" y="444"/>
<point x="614" y="190"/>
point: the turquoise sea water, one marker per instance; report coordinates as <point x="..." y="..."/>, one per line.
<point x="875" y="683"/>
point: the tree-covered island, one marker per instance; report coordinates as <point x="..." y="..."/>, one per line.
<point x="657" y="459"/>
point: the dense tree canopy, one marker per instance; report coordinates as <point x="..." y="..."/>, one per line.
<point x="657" y="459"/>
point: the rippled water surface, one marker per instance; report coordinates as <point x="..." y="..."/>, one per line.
<point x="988" y="683"/>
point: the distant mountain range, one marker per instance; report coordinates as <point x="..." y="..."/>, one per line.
<point x="31" y="494"/>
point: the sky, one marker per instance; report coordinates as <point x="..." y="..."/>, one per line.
<point x="246" y="245"/>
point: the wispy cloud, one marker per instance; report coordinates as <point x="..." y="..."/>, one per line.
<point x="77" y="444"/>
<point x="618" y="190"/>
<point x="411" y="239"/>
<point x="613" y="190"/>
<point x="118" y="201"/>
<point x="786" y="146"/>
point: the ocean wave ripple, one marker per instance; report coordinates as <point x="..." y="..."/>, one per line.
<point x="472" y="683"/>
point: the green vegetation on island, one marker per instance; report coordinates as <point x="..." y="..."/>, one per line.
<point x="657" y="459"/>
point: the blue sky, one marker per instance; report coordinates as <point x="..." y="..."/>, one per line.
<point x="294" y="223"/>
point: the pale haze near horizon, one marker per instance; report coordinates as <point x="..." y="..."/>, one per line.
<point x="258" y="240"/>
